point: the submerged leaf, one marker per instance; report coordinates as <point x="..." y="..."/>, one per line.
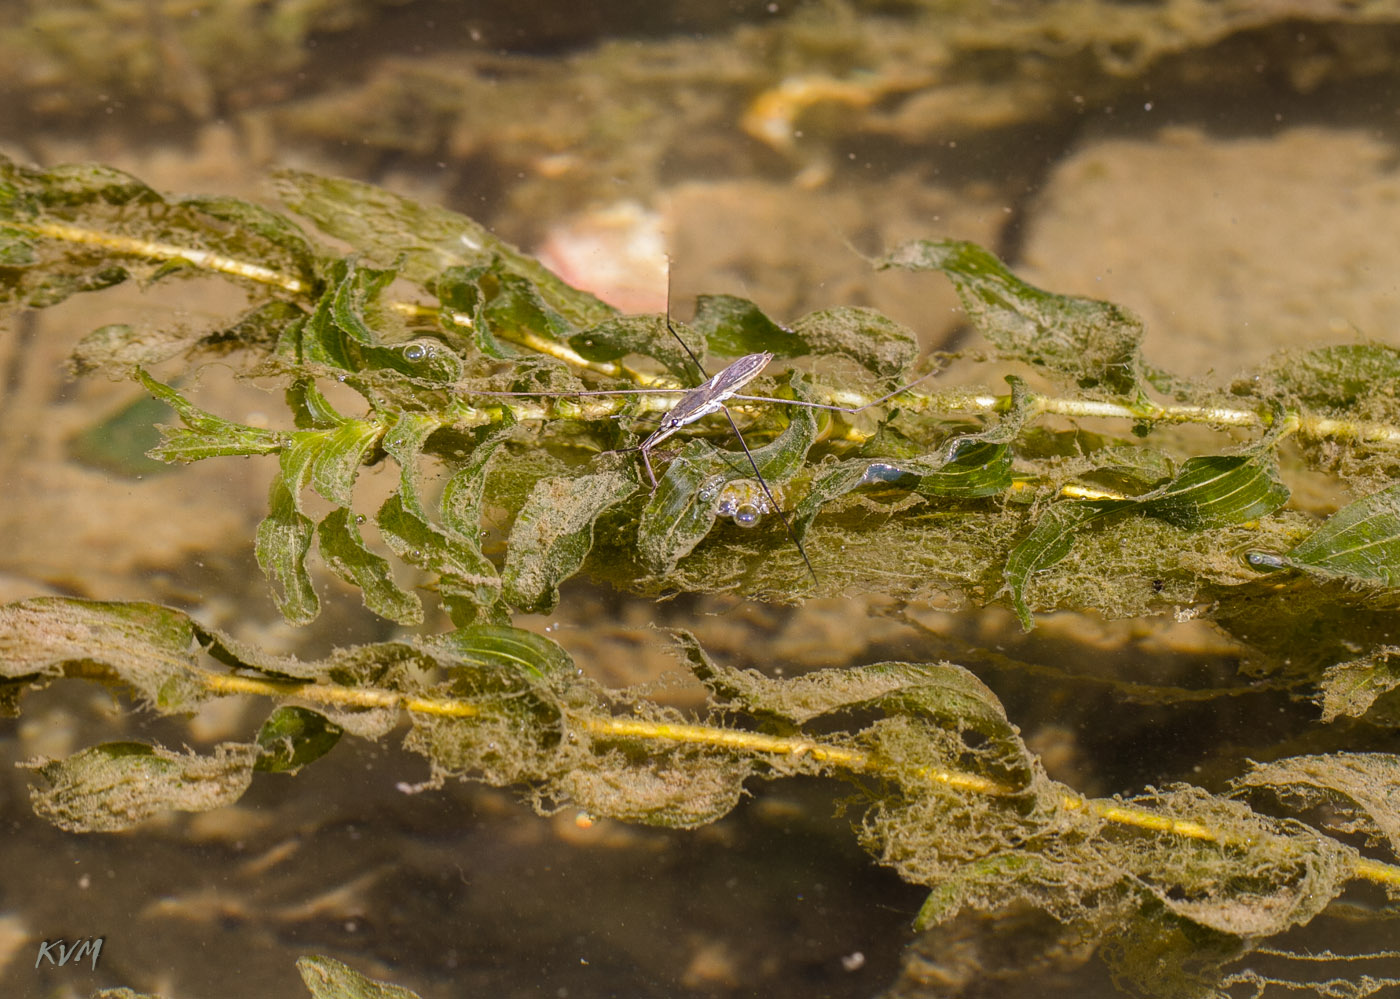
<point x="1215" y="491"/>
<point x="1336" y="379"/>
<point x="676" y="789"/>
<point x="17" y="248"/>
<point x="1353" y="688"/>
<point x="283" y="541"/>
<point x="966" y="467"/>
<point x="336" y="456"/>
<point x="204" y="435"/>
<point x="935" y="690"/>
<point x="1094" y="343"/>
<point x="344" y="552"/>
<point x="327" y="978"/>
<point x="651" y="335"/>
<point x="500" y="645"/>
<point x="1209" y="491"/>
<point x="424" y="239"/>
<point x="147" y="645"/>
<point x="118" y="784"/>
<point x="1361" y="541"/>
<point x="472" y="589"/>
<point x="352" y="298"/>
<point x="292" y="737"/>
<point x="1049" y="541"/>
<point x="734" y="326"/>
<point x="553" y="534"/>
<point x="87" y="226"/>
<point x="876" y="342"/>
<point x="515" y="309"/>
<point x="1360" y="791"/>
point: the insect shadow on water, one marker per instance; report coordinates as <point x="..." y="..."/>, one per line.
<point x="709" y="397"/>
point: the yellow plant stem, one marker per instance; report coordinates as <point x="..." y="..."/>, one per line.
<point x="152" y="250"/>
<point x="950" y="403"/>
<point x="740" y="741"/>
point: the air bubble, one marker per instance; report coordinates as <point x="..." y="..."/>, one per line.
<point x="417" y="351"/>
<point x="744" y="500"/>
<point x="710" y="489"/>
<point x="747" y="515"/>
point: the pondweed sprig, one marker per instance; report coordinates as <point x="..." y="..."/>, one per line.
<point x="473" y="364"/>
<point x="832" y="756"/>
<point x="952" y="797"/>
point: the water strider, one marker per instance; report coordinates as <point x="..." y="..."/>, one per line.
<point x="709" y="397"/>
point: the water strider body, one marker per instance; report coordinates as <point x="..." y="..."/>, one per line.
<point x="706" y="398"/>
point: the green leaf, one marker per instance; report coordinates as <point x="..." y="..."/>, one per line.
<point x="876" y="342"/>
<point x="122" y="208"/>
<point x="425" y="359"/>
<point x="1091" y="342"/>
<point x="283" y="541"/>
<point x="940" y="690"/>
<point x="70" y="185"/>
<point x="498" y="305"/>
<point x="292" y="737"/>
<point x="297" y="257"/>
<point x="310" y="409"/>
<point x="337" y="456"/>
<point x="119" y="346"/>
<point x="966" y="468"/>
<point x="683" y="788"/>
<point x="514" y="309"/>
<point x="344" y="552"/>
<point x="1361" y="542"/>
<point x="353" y="299"/>
<point x="1049" y="541"/>
<point x="982" y="878"/>
<point x="17" y="248"/>
<point x="320" y="339"/>
<point x="327" y="978"/>
<point x="681" y="510"/>
<point x="462" y="301"/>
<point x="553" y="534"/>
<point x="1215" y="491"/>
<point x="514" y="649"/>
<point x="472" y="590"/>
<point x="205" y="435"/>
<point x="734" y="326"/>
<point x="647" y="335"/>
<point x="119" y="784"/>
<point x="147" y="645"/>
<point x="467" y="581"/>
<point x="1209" y="491"/>
<point x="352" y="329"/>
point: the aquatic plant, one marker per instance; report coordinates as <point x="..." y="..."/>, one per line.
<point x="472" y="364"/>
